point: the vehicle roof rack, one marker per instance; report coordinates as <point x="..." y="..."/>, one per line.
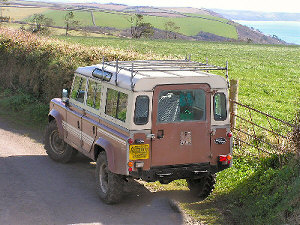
<point x="162" y="66"/>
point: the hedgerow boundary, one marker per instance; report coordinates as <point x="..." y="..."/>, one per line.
<point x="43" y="66"/>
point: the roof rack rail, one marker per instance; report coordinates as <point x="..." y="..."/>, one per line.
<point x="161" y="66"/>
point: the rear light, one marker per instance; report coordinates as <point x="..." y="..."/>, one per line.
<point x="130" y="165"/>
<point x="225" y="159"/>
<point x="229" y="135"/>
<point x="222" y="158"/>
<point x="130" y="141"/>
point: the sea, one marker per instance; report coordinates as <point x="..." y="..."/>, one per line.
<point x="288" y="31"/>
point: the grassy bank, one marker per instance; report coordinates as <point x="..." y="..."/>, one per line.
<point x="253" y="192"/>
<point x="23" y="108"/>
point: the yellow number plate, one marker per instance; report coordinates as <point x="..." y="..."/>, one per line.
<point x="138" y="152"/>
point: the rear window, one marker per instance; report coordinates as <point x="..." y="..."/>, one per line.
<point x="220" y="109"/>
<point x="141" y="112"/>
<point x="116" y="104"/>
<point x="181" y="105"/>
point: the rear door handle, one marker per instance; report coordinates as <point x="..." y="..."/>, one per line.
<point x="160" y="134"/>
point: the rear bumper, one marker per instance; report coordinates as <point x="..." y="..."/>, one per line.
<point x="166" y="174"/>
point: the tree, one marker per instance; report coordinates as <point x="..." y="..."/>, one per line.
<point x="140" y="28"/>
<point x="171" y="29"/>
<point x="70" y="22"/>
<point x="40" y="24"/>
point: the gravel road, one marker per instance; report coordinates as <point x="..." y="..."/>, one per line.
<point x="36" y="190"/>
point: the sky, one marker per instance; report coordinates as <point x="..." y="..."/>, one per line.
<point x="292" y="6"/>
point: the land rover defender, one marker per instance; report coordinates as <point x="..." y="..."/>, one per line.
<point x="155" y="120"/>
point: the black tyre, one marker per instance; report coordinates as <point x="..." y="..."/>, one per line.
<point x="202" y="187"/>
<point x="109" y="185"/>
<point x="56" y="148"/>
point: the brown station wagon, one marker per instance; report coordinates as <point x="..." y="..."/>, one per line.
<point x="152" y="120"/>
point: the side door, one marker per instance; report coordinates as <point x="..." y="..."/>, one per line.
<point x="90" y="119"/>
<point x="72" y="125"/>
<point x="181" y="124"/>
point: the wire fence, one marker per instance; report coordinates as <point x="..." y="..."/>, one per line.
<point x="262" y="132"/>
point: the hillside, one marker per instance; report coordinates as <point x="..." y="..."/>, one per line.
<point x="194" y="24"/>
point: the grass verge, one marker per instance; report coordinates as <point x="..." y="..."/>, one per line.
<point x="253" y="191"/>
<point x="23" y="109"/>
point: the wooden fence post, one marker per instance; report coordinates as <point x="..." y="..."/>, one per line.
<point x="233" y="96"/>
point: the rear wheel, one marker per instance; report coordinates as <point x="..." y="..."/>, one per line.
<point x="202" y="187"/>
<point x="56" y="148"/>
<point x="109" y="185"/>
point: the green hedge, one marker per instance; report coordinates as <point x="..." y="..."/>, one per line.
<point x="43" y="66"/>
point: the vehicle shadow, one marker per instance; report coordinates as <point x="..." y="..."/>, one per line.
<point x="37" y="190"/>
<point x="36" y="133"/>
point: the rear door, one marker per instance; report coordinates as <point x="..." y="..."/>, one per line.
<point x="181" y="124"/>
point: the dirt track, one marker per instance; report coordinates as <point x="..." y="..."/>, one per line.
<point x="36" y="190"/>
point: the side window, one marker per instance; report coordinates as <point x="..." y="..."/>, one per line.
<point x="220" y="111"/>
<point x="141" y="113"/>
<point x="116" y="104"/>
<point x="94" y="95"/>
<point x="78" y="90"/>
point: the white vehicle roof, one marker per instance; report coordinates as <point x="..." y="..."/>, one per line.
<point x="145" y="75"/>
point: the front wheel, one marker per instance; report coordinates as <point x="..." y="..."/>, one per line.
<point x="57" y="148"/>
<point x="109" y="185"/>
<point x="202" y="187"/>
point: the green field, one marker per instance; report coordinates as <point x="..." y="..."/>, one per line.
<point x="269" y="75"/>
<point x="189" y="26"/>
<point x="21" y="13"/>
<point x="208" y="17"/>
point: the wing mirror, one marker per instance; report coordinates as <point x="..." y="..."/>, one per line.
<point x="65" y="96"/>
